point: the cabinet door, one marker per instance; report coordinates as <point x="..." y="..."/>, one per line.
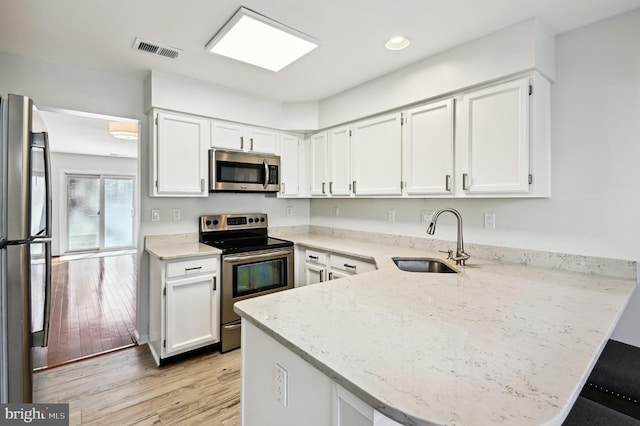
<point x="376" y="156"/>
<point x="495" y="143"/>
<point x="262" y="140"/>
<point x="228" y="136"/>
<point x="314" y="273"/>
<point x="191" y="313"/>
<point x="428" y="149"/>
<point x="180" y="150"/>
<point x="318" y="164"/>
<point x="339" y="161"/>
<point x="290" y="165"/>
<point x="336" y="274"/>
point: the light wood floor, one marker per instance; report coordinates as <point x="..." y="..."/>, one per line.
<point x="126" y="388"/>
<point x="92" y="308"/>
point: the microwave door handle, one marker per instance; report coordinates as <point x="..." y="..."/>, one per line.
<point x="266" y="174"/>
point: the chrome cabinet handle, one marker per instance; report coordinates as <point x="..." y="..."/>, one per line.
<point x="354" y="186"/>
<point x="241" y="142"/>
<point x="195" y="268"/>
<point x="215" y="283"/>
<point x="323" y="188"/>
<point x="330" y="187"/>
<point x="465" y="181"/>
<point x="313" y="257"/>
<point x="447" y="184"/>
<point x="251" y="139"/>
<point x="202" y="185"/>
<point x="346" y="265"/>
<point x="321" y="276"/>
<point x="330" y="276"/>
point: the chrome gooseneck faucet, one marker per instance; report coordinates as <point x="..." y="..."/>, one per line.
<point x="460" y="256"/>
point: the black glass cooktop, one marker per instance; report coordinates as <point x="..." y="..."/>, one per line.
<point x="242" y="242"/>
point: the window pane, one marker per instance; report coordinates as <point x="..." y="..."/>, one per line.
<point x="83" y="209"/>
<point x="118" y="214"/>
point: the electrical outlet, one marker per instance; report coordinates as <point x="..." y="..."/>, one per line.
<point x="176" y="214"/>
<point x="392" y="215"/>
<point x="289" y="210"/>
<point x="155" y="215"/>
<point x="490" y="220"/>
<point x="336" y="212"/>
<point x="426" y="216"/>
<point x="280" y="377"/>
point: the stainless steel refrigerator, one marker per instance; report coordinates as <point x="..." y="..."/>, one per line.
<point x="25" y="255"/>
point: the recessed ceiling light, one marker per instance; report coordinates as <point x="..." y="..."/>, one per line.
<point x="255" y="39"/>
<point x="397" y="43"/>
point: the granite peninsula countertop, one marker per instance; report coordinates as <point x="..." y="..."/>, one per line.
<point x="497" y="343"/>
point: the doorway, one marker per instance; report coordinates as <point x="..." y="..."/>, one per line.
<point x="95" y="226"/>
<point x="100" y="212"/>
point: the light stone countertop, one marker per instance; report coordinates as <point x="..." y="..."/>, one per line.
<point x="498" y="343"/>
<point x="177" y="246"/>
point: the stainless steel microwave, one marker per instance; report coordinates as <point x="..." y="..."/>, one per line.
<point x="243" y="171"/>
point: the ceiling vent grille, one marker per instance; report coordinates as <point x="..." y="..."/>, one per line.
<point x="156" y="48"/>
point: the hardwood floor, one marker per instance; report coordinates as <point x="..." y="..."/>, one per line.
<point x="126" y="388"/>
<point x="92" y="308"/>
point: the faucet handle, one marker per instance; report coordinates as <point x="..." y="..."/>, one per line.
<point x="449" y="253"/>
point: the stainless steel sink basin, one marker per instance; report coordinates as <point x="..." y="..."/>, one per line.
<point x="422" y="264"/>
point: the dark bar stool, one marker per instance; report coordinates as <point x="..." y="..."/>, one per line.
<point x="612" y="393"/>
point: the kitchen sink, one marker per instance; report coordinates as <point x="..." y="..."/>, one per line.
<point x="422" y="264"/>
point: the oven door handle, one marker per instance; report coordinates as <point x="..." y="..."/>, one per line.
<point x="256" y="256"/>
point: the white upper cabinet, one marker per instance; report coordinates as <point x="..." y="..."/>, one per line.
<point x="233" y="136"/>
<point x="494" y="142"/>
<point x="428" y="149"/>
<point x="339" y="161"/>
<point x="318" y="164"/>
<point x="291" y="156"/>
<point x="179" y="155"/>
<point x="376" y="156"/>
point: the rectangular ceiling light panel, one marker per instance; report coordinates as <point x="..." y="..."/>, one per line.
<point x="255" y="39"/>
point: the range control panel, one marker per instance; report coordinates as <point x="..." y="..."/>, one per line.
<point x="230" y="222"/>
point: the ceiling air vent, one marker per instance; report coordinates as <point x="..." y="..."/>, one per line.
<point x="156" y="48"/>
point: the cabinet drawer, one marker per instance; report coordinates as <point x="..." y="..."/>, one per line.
<point x="192" y="267"/>
<point x="350" y="264"/>
<point x="314" y="256"/>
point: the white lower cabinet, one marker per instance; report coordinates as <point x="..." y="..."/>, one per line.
<point x="280" y="388"/>
<point x="320" y="266"/>
<point x="184" y="308"/>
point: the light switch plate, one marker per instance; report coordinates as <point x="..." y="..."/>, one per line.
<point x="155" y="215"/>
<point x="426" y="216"/>
<point x="176" y="214"/>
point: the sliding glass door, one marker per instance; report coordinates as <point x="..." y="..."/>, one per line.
<point x="99" y="212"/>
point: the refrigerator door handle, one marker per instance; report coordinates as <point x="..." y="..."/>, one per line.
<point x="41" y="141"/>
<point x="41" y="337"/>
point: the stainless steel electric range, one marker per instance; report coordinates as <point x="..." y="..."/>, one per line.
<point x="252" y="264"/>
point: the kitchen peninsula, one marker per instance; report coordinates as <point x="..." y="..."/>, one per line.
<point x="496" y="343"/>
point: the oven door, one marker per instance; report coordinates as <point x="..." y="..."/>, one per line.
<point x="247" y="275"/>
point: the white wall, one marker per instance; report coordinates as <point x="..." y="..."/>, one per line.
<point x="74" y="163"/>
<point x="520" y="47"/>
<point x="594" y="207"/>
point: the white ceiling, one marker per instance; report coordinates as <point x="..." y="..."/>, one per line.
<point x="99" y="34"/>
